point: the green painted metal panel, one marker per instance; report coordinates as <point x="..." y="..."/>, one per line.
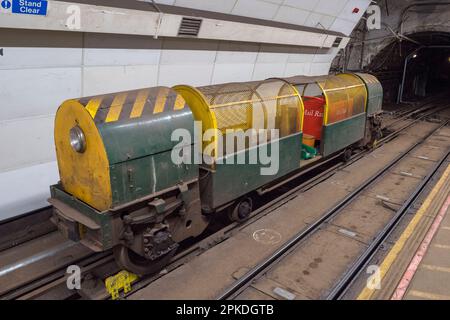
<point x="103" y="219"/>
<point x="141" y="137"/>
<point x="374" y="93"/>
<point x="230" y="181"/>
<point x="141" y="177"/>
<point x="342" y="134"/>
<point x="139" y="152"/>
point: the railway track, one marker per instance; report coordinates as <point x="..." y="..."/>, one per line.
<point x="320" y="234"/>
<point x="27" y="227"/>
<point x="424" y="106"/>
<point x="43" y="288"/>
<point x="97" y="267"/>
<point x="341" y="288"/>
<point x="424" y="110"/>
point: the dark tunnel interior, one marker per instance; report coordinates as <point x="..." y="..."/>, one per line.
<point x="427" y="72"/>
<point x="440" y="70"/>
<point x="416" y="69"/>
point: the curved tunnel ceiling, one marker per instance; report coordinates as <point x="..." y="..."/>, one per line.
<point x="426" y="60"/>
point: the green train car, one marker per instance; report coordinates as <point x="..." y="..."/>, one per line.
<point x="143" y="170"/>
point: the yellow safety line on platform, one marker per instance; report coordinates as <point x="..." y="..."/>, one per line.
<point x="427" y="295"/>
<point x="367" y="293"/>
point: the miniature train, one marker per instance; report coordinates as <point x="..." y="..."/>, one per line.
<point x="128" y="182"/>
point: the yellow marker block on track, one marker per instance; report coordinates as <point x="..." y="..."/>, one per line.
<point x="121" y="281"/>
<point x="367" y="293"/>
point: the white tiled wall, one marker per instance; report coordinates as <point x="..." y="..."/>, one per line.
<point x="234" y="62"/>
<point x="329" y="14"/>
<point x="26" y="142"/>
<point x="101" y="79"/>
<point x="29" y="92"/>
<point x="26" y="189"/>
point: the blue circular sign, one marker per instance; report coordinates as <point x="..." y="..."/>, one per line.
<point x="6" y="4"/>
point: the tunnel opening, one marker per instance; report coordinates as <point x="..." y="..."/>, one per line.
<point x="426" y="73"/>
<point x="415" y="69"/>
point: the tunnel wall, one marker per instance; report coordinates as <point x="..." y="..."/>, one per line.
<point x="379" y="51"/>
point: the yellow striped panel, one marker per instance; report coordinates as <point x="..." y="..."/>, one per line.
<point x="179" y="103"/>
<point x="139" y="104"/>
<point x="116" y="107"/>
<point x="161" y="100"/>
<point x="93" y="105"/>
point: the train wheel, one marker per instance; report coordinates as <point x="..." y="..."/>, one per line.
<point x="347" y="155"/>
<point x="131" y="261"/>
<point x="375" y="144"/>
<point x="242" y="210"/>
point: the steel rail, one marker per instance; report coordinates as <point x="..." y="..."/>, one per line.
<point x="32" y="288"/>
<point x="395" y="133"/>
<point x="41" y="286"/>
<point x="340" y="289"/>
<point x="408" y="113"/>
<point x="246" y="280"/>
<point x="260" y="212"/>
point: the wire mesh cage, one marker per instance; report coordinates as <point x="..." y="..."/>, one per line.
<point x="270" y="104"/>
<point x="346" y="97"/>
<point x="249" y="107"/>
<point x="375" y="93"/>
